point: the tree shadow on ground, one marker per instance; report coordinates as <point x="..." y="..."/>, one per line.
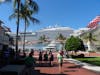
<point x="65" y="62"/>
<point x="70" y="70"/>
<point x="37" y="72"/>
<point x="75" y="66"/>
<point x="46" y="65"/>
<point x="54" y="74"/>
<point x="42" y="65"/>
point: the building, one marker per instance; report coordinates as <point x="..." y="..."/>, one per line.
<point x="4" y="37"/>
<point x="96" y="34"/>
<point x="80" y="31"/>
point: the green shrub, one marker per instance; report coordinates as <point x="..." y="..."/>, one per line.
<point x="74" y="44"/>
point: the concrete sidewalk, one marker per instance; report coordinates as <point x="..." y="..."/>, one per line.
<point x="84" y="65"/>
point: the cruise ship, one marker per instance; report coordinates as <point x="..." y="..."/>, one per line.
<point x="51" y="33"/>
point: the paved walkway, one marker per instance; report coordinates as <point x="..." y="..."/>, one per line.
<point x="84" y="65"/>
<point x="68" y="69"/>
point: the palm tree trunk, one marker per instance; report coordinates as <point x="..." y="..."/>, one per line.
<point x="17" y="27"/>
<point x="90" y="46"/>
<point x="24" y="36"/>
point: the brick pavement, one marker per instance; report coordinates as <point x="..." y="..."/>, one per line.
<point x="68" y="69"/>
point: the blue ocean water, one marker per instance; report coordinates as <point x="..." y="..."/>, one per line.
<point x="39" y="46"/>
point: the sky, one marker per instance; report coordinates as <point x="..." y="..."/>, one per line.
<point x="70" y="13"/>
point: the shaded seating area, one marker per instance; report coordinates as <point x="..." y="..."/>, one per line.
<point x="12" y="70"/>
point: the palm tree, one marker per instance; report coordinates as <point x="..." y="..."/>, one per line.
<point x="61" y="39"/>
<point x="27" y="16"/>
<point x="90" y="38"/>
<point x="17" y="5"/>
<point x="42" y="39"/>
<point x="26" y="13"/>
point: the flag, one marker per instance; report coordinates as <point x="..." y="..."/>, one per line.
<point x="94" y="23"/>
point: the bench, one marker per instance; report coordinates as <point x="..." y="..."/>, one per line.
<point x="12" y="70"/>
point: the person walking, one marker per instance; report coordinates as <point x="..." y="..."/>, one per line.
<point x="40" y="57"/>
<point x="62" y="53"/>
<point x="60" y="61"/>
<point x="46" y="57"/>
<point x="51" y="58"/>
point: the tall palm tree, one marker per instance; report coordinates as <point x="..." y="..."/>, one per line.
<point x="26" y="11"/>
<point x="90" y="38"/>
<point x="27" y="16"/>
<point x="17" y="5"/>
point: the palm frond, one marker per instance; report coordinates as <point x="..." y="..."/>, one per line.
<point x="34" y="20"/>
<point x="14" y="3"/>
<point x="14" y="15"/>
<point x="89" y="36"/>
<point x="33" y="5"/>
<point x="27" y="22"/>
<point x="94" y="39"/>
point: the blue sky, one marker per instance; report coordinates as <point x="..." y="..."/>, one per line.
<point x="71" y="13"/>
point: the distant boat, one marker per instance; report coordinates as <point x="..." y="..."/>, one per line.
<point x="50" y="46"/>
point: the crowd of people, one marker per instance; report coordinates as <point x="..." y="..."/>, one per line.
<point x="30" y="60"/>
<point x="48" y="57"/>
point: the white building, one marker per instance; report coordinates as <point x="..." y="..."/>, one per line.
<point x="80" y="31"/>
<point x="96" y="34"/>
